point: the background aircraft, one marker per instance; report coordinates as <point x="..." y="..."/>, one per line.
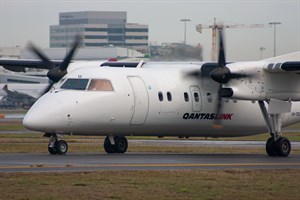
<point x="20" y="95"/>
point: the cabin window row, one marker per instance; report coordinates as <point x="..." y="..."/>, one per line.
<point x="186" y="97"/>
<point x="195" y="96"/>
<point x="161" y="96"/>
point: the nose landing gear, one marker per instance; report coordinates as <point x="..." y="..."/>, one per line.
<point x="56" y="146"/>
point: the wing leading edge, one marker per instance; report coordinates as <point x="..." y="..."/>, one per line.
<point x="20" y="64"/>
<point x="283" y="67"/>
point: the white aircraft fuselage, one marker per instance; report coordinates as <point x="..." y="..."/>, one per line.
<point x="149" y="101"/>
<point x="174" y="99"/>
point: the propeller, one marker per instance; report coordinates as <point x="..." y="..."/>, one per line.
<point x="223" y="75"/>
<point x="56" y="72"/>
<point x="220" y="75"/>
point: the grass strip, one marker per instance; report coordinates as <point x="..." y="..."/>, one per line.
<point x="175" y="184"/>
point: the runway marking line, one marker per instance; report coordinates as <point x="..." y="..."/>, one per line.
<point x="151" y="165"/>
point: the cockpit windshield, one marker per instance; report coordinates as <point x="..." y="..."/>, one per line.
<point x="87" y="84"/>
<point x="100" y="85"/>
<point x="75" y="84"/>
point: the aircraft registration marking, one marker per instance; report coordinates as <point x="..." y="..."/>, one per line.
<point x="208" y="116"/>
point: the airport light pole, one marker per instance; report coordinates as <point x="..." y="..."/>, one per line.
<point x="261" y="52"/>
<point x="274" y="25"/>
<point x="185" y="20"/>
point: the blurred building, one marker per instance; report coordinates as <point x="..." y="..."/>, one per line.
<point x="99" y="28"/>
<point x="176" y="52"/>
<point x="86" y="53"/>
<point x="10" y="52"/>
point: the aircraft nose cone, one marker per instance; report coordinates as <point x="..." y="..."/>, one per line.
<point x="45" y="115"/>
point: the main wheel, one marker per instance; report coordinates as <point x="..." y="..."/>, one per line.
<point x="283" y="147"/>
<point x="270" y="147"/>
<point x="108" y="147"/>
<point x="121" y="144"/>
<point x="62" y="147"/>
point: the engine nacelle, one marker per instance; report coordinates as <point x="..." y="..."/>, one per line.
<point x="264" y="81"/>
<point x="242" y="93"/>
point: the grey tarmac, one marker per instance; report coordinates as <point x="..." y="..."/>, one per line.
<point x="209" y="143"/>
<point x="40" y="162"/>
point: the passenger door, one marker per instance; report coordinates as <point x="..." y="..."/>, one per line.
<point x="141" y="102"/>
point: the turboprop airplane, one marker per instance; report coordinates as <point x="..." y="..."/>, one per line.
<point x="169" y="99"/>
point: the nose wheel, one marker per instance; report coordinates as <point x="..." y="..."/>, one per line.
<point x="56" y="146"/>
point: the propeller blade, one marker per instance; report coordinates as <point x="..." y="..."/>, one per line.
<point x="221" y="59"/>
<point x="238" y="75"/>
<point x="219" y="75"/>
<point x="217" y="123"/>
<point x="48" y="88"/>
<point x="194" y="74"/>
<point x="70" y="55"/>
<point x="48" y="63"/>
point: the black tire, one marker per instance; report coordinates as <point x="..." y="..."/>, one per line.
<point x="283" y="147"/>
<point x="271" y="148"/>
<point x="62" y="147"/>
<point x="52" y="150"/>
<point x="121" y="144"/>
<point x="108" y="147"/>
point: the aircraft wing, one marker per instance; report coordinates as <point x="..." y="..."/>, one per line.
<point x="19" y="65"/>
<point x="283" y="67"/>
<point x="295" y="56"/>
<point x="289" y="63"/>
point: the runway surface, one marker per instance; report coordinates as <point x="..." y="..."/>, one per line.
<point x="26" y="162"/>
<point x="207" y="143"/>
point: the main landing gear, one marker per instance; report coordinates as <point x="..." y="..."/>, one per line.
<point x="115" y="144"/>
<point x="56" y="146"/>
<point x="276" y="144"/>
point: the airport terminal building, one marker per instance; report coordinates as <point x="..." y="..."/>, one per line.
<point x="99" y="28"/>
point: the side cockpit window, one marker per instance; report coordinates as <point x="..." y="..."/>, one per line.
<point x="100" y="85"/>
<point x="75" y="84"/>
